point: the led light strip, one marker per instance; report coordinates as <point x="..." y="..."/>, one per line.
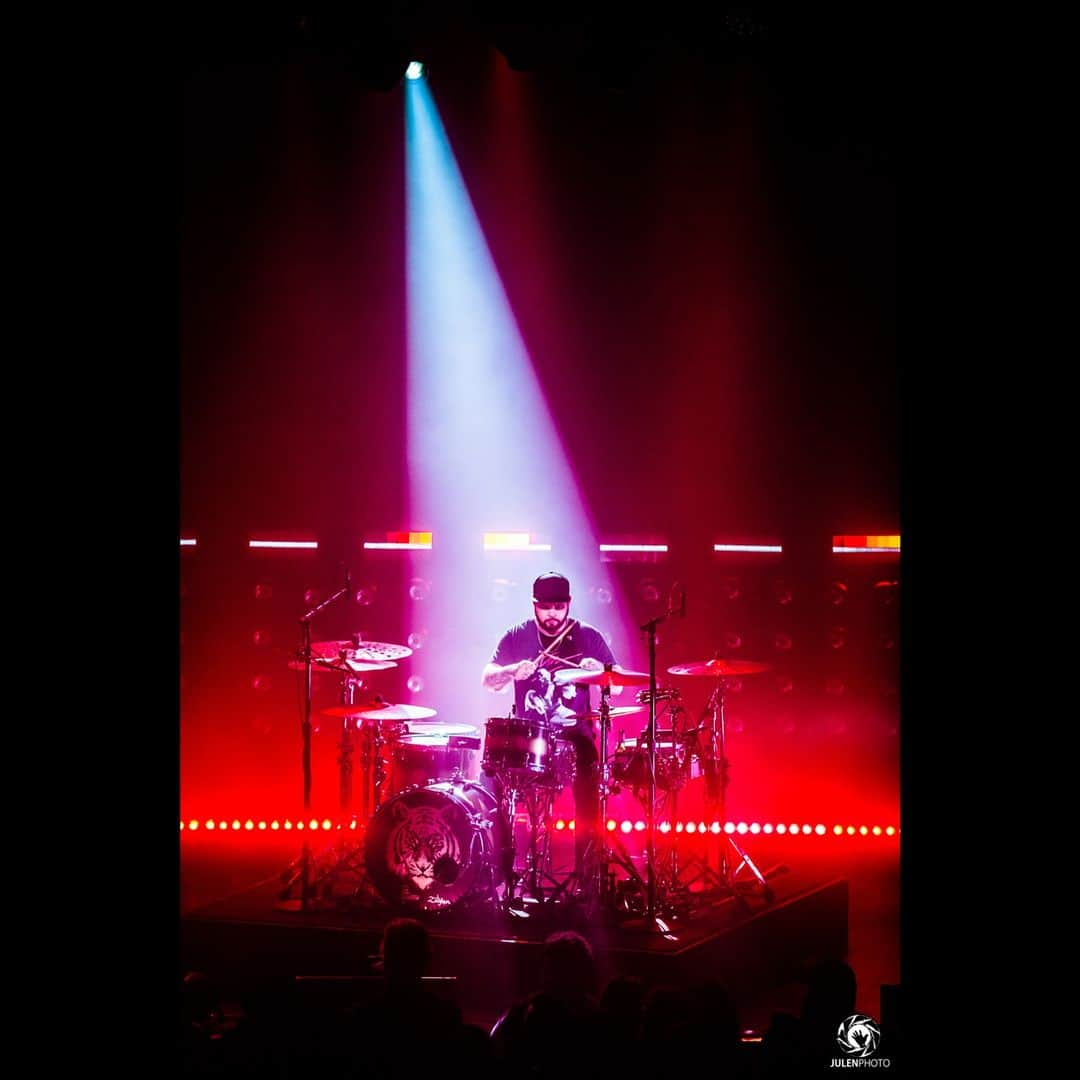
<point x="309" y="544"/>
<point x="747" y="547"/>
<point x="633" y="547"/>
<point x="402" y="541"/>
<point x="843" y="545"/>
<point x="690" y="828"/>
<point x="512" y="542"/>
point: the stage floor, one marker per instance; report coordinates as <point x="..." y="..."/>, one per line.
<point x="834" y="901"/>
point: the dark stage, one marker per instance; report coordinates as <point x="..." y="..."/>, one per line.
<point x="828" y="904"/>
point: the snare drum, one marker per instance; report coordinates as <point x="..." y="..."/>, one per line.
<point x="517" y="747"/>
<point x="427" y="759"/>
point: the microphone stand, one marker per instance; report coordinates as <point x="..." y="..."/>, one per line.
<point x="304" y="874"/>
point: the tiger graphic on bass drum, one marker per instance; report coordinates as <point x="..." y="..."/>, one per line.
<point x="430" y="847"/>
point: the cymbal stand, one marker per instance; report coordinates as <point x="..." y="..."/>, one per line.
<point x="299" y="871"/>
<point x="723" y="879"/>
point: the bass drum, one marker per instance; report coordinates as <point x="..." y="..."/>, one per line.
<point x="431" y="848"/>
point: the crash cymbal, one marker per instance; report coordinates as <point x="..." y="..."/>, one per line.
<point x="399" y="712"/>
<point x="437" y="727"/>
<point x="718" y="668"/>
<point x="362" y="650"/>
<point x="340" y="667"/>
<point x="581" y="677"/>
<point x="372" y="707"/>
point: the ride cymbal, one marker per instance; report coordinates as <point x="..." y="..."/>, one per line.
<point x="581" y="677"/>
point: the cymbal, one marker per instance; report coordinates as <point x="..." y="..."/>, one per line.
<point x="338" y="667"/>
<point x="719" y="668"/>
<point x="399" y="712"/>
<point x="581" y="677"/>
<point x="366" y="650"/>
<point x="359" y="708"/>
<point x="437" y="727"/>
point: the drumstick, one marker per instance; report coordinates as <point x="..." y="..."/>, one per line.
<point x="564" y="660"/>
<point x="558" y="641"/>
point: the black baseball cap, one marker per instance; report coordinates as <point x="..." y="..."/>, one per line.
<point x="551" y="588"/>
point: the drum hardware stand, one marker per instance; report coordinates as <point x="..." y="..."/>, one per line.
<point x="652" y="920"/>
<point x="538" y="860"/>
<point x="721" y="882"/>
<point x="597" y="878"/>
<point x="299" y="872"/>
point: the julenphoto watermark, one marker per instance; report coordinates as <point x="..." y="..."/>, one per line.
<point x="858" y="1037"/>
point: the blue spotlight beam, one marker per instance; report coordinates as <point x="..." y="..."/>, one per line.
<point x="484" y="452"/>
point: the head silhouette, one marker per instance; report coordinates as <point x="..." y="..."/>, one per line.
<point x="406" y="950"/>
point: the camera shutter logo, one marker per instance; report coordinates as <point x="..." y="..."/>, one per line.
<point x="858" y="1035"/>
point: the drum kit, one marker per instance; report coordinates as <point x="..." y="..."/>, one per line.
<point x="436" y="822"/>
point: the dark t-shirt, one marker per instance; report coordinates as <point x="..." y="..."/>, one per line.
<point x="538" y="696"/>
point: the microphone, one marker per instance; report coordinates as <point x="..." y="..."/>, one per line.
<point x="682" y="609"/>
<point x="348" y="580"/>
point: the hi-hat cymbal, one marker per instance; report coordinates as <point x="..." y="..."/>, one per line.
<point x="719" y="668"/>
<point x="399" y="712"/>
<point x="374" y="707"/>
<point x="340" y="667"/>
<point x="364" y="650"/>
<point x="581" y="677"/>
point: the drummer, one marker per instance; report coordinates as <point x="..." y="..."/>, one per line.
<point x="528" y="655"/>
